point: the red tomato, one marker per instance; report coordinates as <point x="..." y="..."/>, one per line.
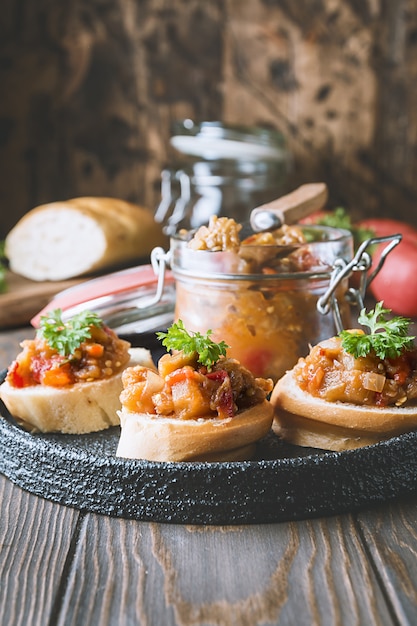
<point x="314" y="217"/>
<point x="396" y="283"/>
<point x="16" y="379"/>
<point x="383" y="227"/>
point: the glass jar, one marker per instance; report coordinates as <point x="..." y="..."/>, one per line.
<point x="267" y="317"/>
<point x="221" y="170"/>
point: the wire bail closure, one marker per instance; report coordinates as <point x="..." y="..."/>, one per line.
<point x="342" y="269"/>
<point x="160" y="260"/>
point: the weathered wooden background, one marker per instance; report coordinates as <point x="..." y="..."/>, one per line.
<point x="89" y="89"/>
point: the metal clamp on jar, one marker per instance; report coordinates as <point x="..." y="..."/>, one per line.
<point x="362" y="264"/>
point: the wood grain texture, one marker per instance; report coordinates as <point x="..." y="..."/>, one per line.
<point x="110" y="558"/>
<point x="24" y="298"/>
<point x="303" y="573"/>
<point x="58" y="566"/>
<point x="90" y="93"/>
<point x="35" y="541"/>
<point x="391" y="535"/>
<point x="337" y="79"/>
<point x="294" y="573"/>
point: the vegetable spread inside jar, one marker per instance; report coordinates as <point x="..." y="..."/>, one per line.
<point x="260" y="294"/>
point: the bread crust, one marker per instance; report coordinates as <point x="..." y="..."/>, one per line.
<point x="306" y="420"/>
<point x="155" y="438"/>
<point x="61" y="240"/>
<point x="77" y="409"/>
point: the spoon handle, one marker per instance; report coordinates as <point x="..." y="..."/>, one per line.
<point x="290" y="208"/>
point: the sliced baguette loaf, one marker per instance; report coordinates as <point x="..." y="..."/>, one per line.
<point x="62" y="240"/>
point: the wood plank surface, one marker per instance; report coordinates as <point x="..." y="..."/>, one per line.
<point x="390" y="533"/>
<point x="35" y="544"/>
<point x="24" y="298"/>
<point x="61" y="567"/>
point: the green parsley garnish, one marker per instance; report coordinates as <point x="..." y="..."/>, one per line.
<point x="339" y="218"/>
<point x="178" y="338"/>
<point x="388" y="337"/>
<point x="66" y="337"/>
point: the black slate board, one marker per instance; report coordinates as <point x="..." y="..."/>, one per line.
<point x="285" y="483"/>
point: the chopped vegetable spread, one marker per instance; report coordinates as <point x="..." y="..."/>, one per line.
<point x="197" y="381"/>
<point x="377" y="369"/>
<point x="82" y="349"/>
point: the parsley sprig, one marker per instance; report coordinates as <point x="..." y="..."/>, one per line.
<point x="388" y="337"/>
<point x="66" y="337"/>
<point x="340" y="218"/>
<point x="178" y="338"/>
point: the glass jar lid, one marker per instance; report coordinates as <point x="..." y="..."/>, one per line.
<point x="215" y="140"/>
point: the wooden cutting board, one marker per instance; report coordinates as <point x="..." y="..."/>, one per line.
<point x="24" y="298"/>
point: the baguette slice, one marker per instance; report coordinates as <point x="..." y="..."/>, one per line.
<point x="62" y="240"/>
<point x="76" y="409"/>
<point x="305" y="420"/>
<point x="155" y="438"/>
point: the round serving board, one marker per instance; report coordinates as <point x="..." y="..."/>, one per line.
<point x="283" y="483"/>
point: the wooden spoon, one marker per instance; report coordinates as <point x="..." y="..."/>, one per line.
<point x="270" y="216"/>
<point x="287" y="209"/>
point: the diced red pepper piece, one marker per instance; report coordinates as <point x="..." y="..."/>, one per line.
<point x="182" y="374"/>
<point x="15" y="379"/>
<point x="226" y="407"/>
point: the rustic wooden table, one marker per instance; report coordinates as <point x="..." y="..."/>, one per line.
<point x="59" y="566"/>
